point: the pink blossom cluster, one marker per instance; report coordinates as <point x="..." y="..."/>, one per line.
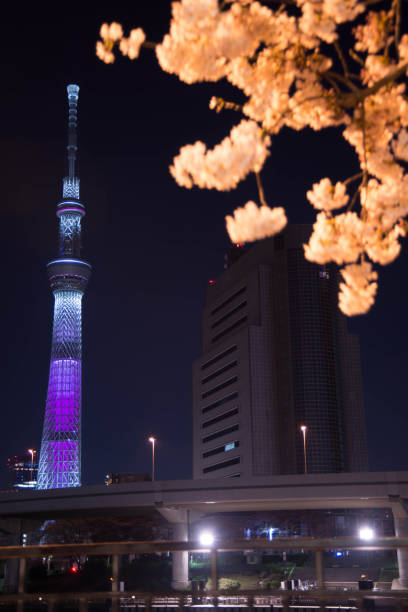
<point x="112" y="34"/>
<point x="314" y="64"/>
<point x="253" y="223"/>
<point x="243" y="151"/>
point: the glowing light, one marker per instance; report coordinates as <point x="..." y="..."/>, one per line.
<point x="70" y="187"/>
<point x="366" y="533"/>
<point x="60" y="460"/>
<point x="60" y="454"/>
<point x="271" y="531"/>
<point x="79" y="261"/>
<point x="206" y="538"/>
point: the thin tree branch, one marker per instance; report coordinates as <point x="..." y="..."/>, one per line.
<point x="341" y="79"/>
<point x="350" y="100"/>
<point x="353" y="178"/>
<point x="397" y="26"/>
<point x="149" y="45"/>
<point x="342" y="59"/>
<point x="333" y="84"/>
<point x="353" y="199"/>
<point x="356" y="57"/>
<point x="260" y="189"/>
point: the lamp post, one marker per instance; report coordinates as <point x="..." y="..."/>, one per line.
<point x="303" y="429"/>
<point x="32" y="452"/>
<point x="152" y="441"/>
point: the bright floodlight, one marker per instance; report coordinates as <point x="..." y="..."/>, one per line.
<point x="206" y="538"/>
<point x="366" y="533"/>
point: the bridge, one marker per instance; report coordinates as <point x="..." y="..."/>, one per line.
<point x="183" y="501"/>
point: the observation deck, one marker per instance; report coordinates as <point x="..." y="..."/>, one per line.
<point x="68" y="274"/>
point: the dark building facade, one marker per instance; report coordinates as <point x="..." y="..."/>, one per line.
<point x="276" y="354"/>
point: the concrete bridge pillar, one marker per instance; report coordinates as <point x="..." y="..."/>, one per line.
<point x="180" y="580"/>
<point x="401" y="529"/>
<point x="13" y="528"/>
<point x="179" y="519"/>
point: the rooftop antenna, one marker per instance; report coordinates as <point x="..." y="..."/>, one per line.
<point x="71" y="182"/>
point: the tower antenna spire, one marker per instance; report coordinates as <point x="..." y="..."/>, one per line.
<point x="71" y="182"/>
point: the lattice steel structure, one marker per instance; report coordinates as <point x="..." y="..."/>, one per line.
<point x="60" y="455"/>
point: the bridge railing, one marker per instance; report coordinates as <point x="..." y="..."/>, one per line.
<point x="318" y="598"/>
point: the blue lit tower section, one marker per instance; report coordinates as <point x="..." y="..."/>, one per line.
<point x="60" y="455"/>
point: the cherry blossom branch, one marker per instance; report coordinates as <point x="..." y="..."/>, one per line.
<point x="342" y="59"/>
<point x="397" y="25"/>
<point x="260" y="189"/>
<point x="341" y="79"/>
<point x="353" y="178"/>
<point x="333" y="84"/>
<point x="218" y="104"/>
<point x="364" y="144"/>
<point x="352" y="99"/>
<point x="354" y="198"/>
<point x="356" y="57"/>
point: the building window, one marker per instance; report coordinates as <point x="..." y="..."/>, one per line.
<point x="229" y="329"/>
<point x="220" y="433"/>
<point x="228" y="300"/>
<point x="229" y="366"/>
<point x="229" y="314"/>
<point x="221" y="449"/>
<point x="220" y="466"/>
<point x="226" y="383"/>
<point x="218" y="357"/>
<point x="220" y="418"/>
<point x="220" y="402"/>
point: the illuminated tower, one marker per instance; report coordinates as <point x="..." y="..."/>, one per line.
<point x="60" y="455"/>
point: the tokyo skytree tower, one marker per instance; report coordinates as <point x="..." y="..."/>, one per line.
<point x="60" y="455"/>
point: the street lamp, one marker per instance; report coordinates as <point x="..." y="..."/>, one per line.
<point x="32" y="453"/>
<point x="303" y="429"/>
<point x="366" y="533"/>
<point x="206" y="538"/>
<point x="152" y="441"/>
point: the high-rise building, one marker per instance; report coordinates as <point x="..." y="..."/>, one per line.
<point x="60" y="455"/>
<point x="276" y="355"/>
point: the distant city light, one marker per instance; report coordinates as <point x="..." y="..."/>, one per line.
<point x="366" y="533"/>
<point x="271" y="531"/>
<point x="206" y="538"/>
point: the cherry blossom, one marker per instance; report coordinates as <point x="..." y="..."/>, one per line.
<point x="325" y="196"/>
<point x="253" y="223"/>
<point x="131" y="46"/>
<point x="358" y="291"/>
<point x="305" y="64"/>
<point x="228" y="163"/>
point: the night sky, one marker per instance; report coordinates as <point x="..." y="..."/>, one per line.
<point x="153" y="245"/>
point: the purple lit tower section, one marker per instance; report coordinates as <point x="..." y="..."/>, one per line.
<point x="60" y="455"/>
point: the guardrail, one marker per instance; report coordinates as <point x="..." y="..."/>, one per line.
<point x="319" y="598"/>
